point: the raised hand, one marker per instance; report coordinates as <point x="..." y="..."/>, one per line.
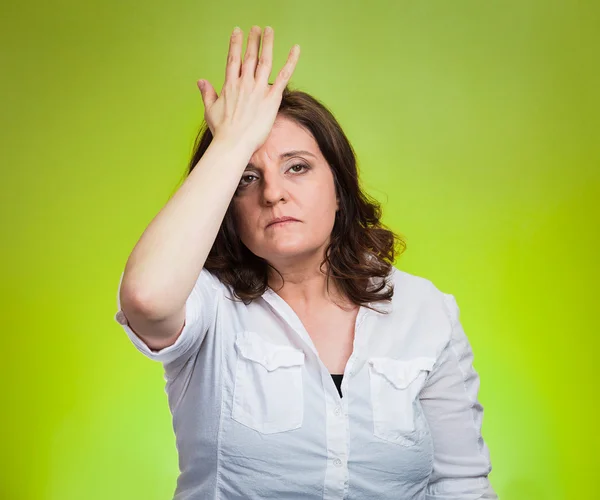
<point x="247" y="106"/>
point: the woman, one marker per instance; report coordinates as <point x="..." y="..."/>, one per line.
<point x="266" y="280"/>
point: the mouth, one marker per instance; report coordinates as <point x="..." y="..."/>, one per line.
<point x="282" y="223"/>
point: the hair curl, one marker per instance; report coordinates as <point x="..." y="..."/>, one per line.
<point x="361" y="249"/>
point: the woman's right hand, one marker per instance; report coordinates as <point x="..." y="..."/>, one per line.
<point x="248" y="105"/>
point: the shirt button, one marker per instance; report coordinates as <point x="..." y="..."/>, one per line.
<point x="337" y="462"/>
<point x="338" y="411"/>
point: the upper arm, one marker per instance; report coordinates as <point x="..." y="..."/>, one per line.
<point x="180" y="334"/>
<point x="454" y="414"/>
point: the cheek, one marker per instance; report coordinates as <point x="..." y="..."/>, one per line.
<point x="323" y="201"/>
<point x="244" y="217"/>
<point x="322" y="212"/>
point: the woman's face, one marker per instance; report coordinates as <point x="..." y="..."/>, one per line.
<point x="286" y="177"/>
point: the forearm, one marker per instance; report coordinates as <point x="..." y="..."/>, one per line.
<point x="166" y="261"/>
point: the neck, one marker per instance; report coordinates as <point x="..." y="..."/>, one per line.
<point x="305" y="286"/>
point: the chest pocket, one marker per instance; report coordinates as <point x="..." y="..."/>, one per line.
<point x="395" y="386"/>
<point x="268" y="395"/>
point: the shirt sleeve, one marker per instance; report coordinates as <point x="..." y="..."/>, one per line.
<point x="461" y="462"/>
<point x="200" y="313"/>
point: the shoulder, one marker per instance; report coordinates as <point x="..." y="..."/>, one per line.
<point x="417" y="289"/>
<point x="422" y="307"/>
<point x="209" y="287"/>
<point x="209" y="283"/>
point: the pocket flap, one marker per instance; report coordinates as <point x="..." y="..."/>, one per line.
<point x="272" y="356"/>
<point x="401" y="372"/>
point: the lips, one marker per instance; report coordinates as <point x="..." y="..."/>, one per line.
<point x="282" y="220"/>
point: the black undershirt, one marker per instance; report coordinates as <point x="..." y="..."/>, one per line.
<point x="337" y="380"/>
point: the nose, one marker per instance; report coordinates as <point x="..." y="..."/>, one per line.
<point x="273" y="189"/>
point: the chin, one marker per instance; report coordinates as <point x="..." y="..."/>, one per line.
<point x="286" y="250"/>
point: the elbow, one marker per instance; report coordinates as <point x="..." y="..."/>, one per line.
<point x="135" y="301"/>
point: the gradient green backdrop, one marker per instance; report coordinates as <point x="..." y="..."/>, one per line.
<point x="475" y="123"/>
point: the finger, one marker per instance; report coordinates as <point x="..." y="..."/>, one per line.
<point x="234" y="57"/>
<point x="209" y="95"/>
<point x="249" y="65"/>
<point x="286" y="72"/>
<point x="265" y="63"/>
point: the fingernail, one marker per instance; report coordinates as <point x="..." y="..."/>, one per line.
<point x="268" y="29"/>
<point x="236" y="30"/>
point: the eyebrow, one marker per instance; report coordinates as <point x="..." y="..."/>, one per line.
<point x="287" y="154"/>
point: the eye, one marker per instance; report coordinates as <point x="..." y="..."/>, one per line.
<point x="301" y="166"/>
<point x="246" y="179"/>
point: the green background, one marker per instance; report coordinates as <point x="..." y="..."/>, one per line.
<point x="476" y="124"/>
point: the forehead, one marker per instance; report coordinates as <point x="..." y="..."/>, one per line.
<point x="286" y="135"/>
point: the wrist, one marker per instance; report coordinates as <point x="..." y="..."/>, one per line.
<point x="234" y="145"/>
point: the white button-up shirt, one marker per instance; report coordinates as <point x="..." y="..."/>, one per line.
<point x="257" y="415"/>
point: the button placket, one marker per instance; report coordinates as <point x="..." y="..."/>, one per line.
<point x="336" y="475"/>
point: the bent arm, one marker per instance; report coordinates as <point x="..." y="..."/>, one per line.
<point x="166" y="262"/>
<point x="449" y="399"/>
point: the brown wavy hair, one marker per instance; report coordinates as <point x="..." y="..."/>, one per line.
<point x="361" y="249"/>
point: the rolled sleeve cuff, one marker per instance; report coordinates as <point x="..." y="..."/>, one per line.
<point x="477" y="488"/>
<point x="187" y="337"/>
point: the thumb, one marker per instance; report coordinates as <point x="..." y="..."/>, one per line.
<point x="209" y="96"/>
